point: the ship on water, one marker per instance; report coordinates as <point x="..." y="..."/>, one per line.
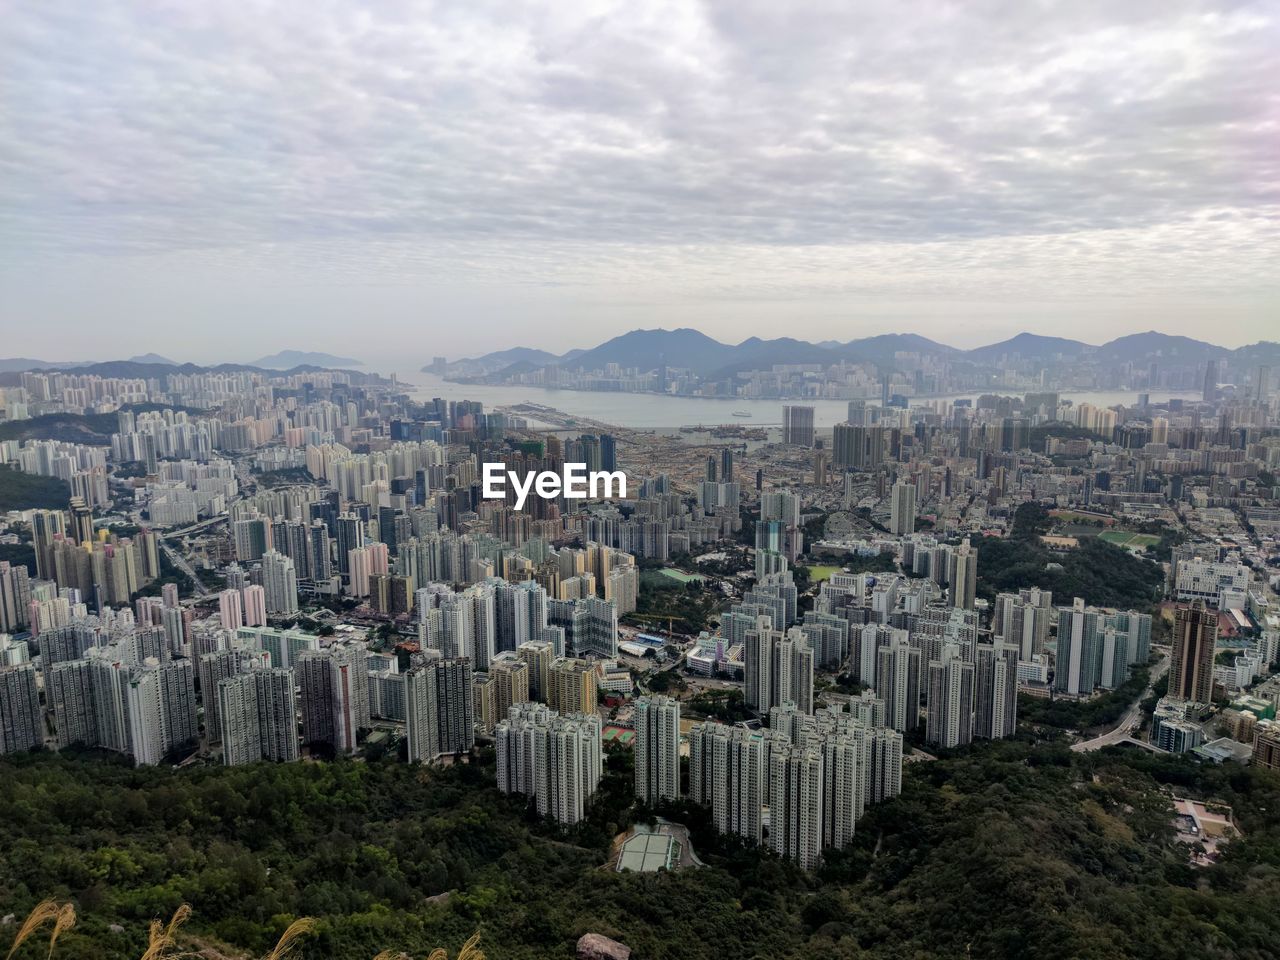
<point x="741" y="413"/>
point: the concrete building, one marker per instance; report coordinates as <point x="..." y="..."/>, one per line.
<point x="657" y="749"/>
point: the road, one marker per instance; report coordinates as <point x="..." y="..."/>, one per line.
<point x="179" y="561"/>
<point x="1132" y="718"/>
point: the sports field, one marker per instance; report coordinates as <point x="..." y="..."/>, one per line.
<point x="1128" y="540"/>
<point x="819" y="573"/>
<point x="620" y="734"/>
<point x="679" y="575"/>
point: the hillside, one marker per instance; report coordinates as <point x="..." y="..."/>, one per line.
<point x="29" y="491"/>
<point x="1001" y="850"/>
<point x="690" y="349"/>
<point x="288" y="359"/>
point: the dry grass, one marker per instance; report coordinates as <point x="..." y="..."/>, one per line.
<point x="162" y="941"/>
<point x="63" y="917"/>
<point x="470" y="951"/>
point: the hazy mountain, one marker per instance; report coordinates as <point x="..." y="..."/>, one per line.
<point x="1030" y="346"/>
<point x="690" y="349"/>
<point x="153" y="358"/>
<point x="1153" y="346"/>
<point x="287" y="359"/>
<point x="649" y="349"/>
<point x="17" y="364"/>
<point x="498" y="361"/>
<point x="881" y="348"/>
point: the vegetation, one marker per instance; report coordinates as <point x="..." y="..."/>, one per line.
<point x="92" y="428"/>
<point x="1004" y="849"/>
<point x="727" y="706"/>
<point x="280" y="478"/>
<point x="1063" y="431"/>
<point x="30" y="491"/>
<point x="1103" y="574"/>
<point x="1100" y="711"/>
<point x="168" y="574"/>
<point x="20" y="555"/>
<point x="688" y="606"/>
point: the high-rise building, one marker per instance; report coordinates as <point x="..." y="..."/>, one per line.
<point x="255" y="605"/>
<point x="902" y="508"/>
<point x="144" y="716"/>
<point x="335" y="695"/>
<point x="230" y="610"/>
<point x="1078" y="664"/>
<point x="898" y="684"/>
<point x="21" y="722"/>
<point x="538" y="655"/>
<point x="797" y="426"/>
<point x="280" y="584"/>
<point x="657" y="749"/>
<point x="727" y="771"/>
<point x="439" y="708"/>
<point x="795" y="805"/>
<point x="510" y="675"/>
<point x="1194" y="643"/>
<point x="951" y="702"/>
<point x="556" y="760"/>
<point x="777" y="667"/>
<point x="995" y="691"/>
<point x="258" y="716"/>
<point x="178" y="710"/>
<point x="574" y="687"/>
<point x="1022" y="619"/>
<point x="1210" y="391"/>
<point x="962" y="575"/>
<point x="15" y="597"/>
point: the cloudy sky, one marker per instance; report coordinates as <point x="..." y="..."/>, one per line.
<point x="214" y="181"/>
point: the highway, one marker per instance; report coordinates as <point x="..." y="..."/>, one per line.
<point x="179" y="561"/>
<point x="1131" y="720"/>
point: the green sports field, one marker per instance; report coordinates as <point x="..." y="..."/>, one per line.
<point x="1133" y="541"/>
<point x="821" y="572"/>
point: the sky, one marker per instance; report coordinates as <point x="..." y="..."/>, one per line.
<point x="398" y="180"/>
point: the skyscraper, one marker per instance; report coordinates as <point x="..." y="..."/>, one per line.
<point x="1078" y="664"/>
<point x="258" y="715"/>
<point x="902" y="515"/>
<point x="950" y="704"/>
<point x="777" y="667"/>
<point x="1195" y="638"/>
<point x="963" y="575"/>
<point x="657" y="749"/>
<point x="995" y="691"/>
<point x="898" y="684"/>
<point x="21" y="722"/>
<point x="797" y="426"/>
<point x="1210" y="391"/>
<point x="727" y="772"/>
<point x="439" y="708"/>
<point x="795" y="805"/>
<point x="556" y="760"/>
<point x="335" y="695"/>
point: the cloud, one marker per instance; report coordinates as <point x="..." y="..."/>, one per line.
<point x="876" y="159"/>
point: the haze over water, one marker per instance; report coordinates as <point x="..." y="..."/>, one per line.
<point x="653" y="411"/>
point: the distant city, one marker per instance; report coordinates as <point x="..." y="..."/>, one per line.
<point x="224" y="566"/>
<point x="888" y="369"/>
<point x="639" y="481"/>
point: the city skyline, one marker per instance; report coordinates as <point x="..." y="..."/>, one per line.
<point x="457" y="178"/>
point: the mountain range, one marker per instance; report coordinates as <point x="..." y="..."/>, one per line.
<point x="690" y="349"/>
<point x="151" y="364"/>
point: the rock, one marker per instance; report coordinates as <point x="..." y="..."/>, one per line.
<point x="593" y="946"/>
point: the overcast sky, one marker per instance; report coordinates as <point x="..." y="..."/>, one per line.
<point x="215" y="181"/>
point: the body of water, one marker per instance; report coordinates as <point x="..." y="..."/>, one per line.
<point x="644" y="411"/>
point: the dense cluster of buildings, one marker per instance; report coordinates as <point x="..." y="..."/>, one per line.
<point x="352" y="585"/>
